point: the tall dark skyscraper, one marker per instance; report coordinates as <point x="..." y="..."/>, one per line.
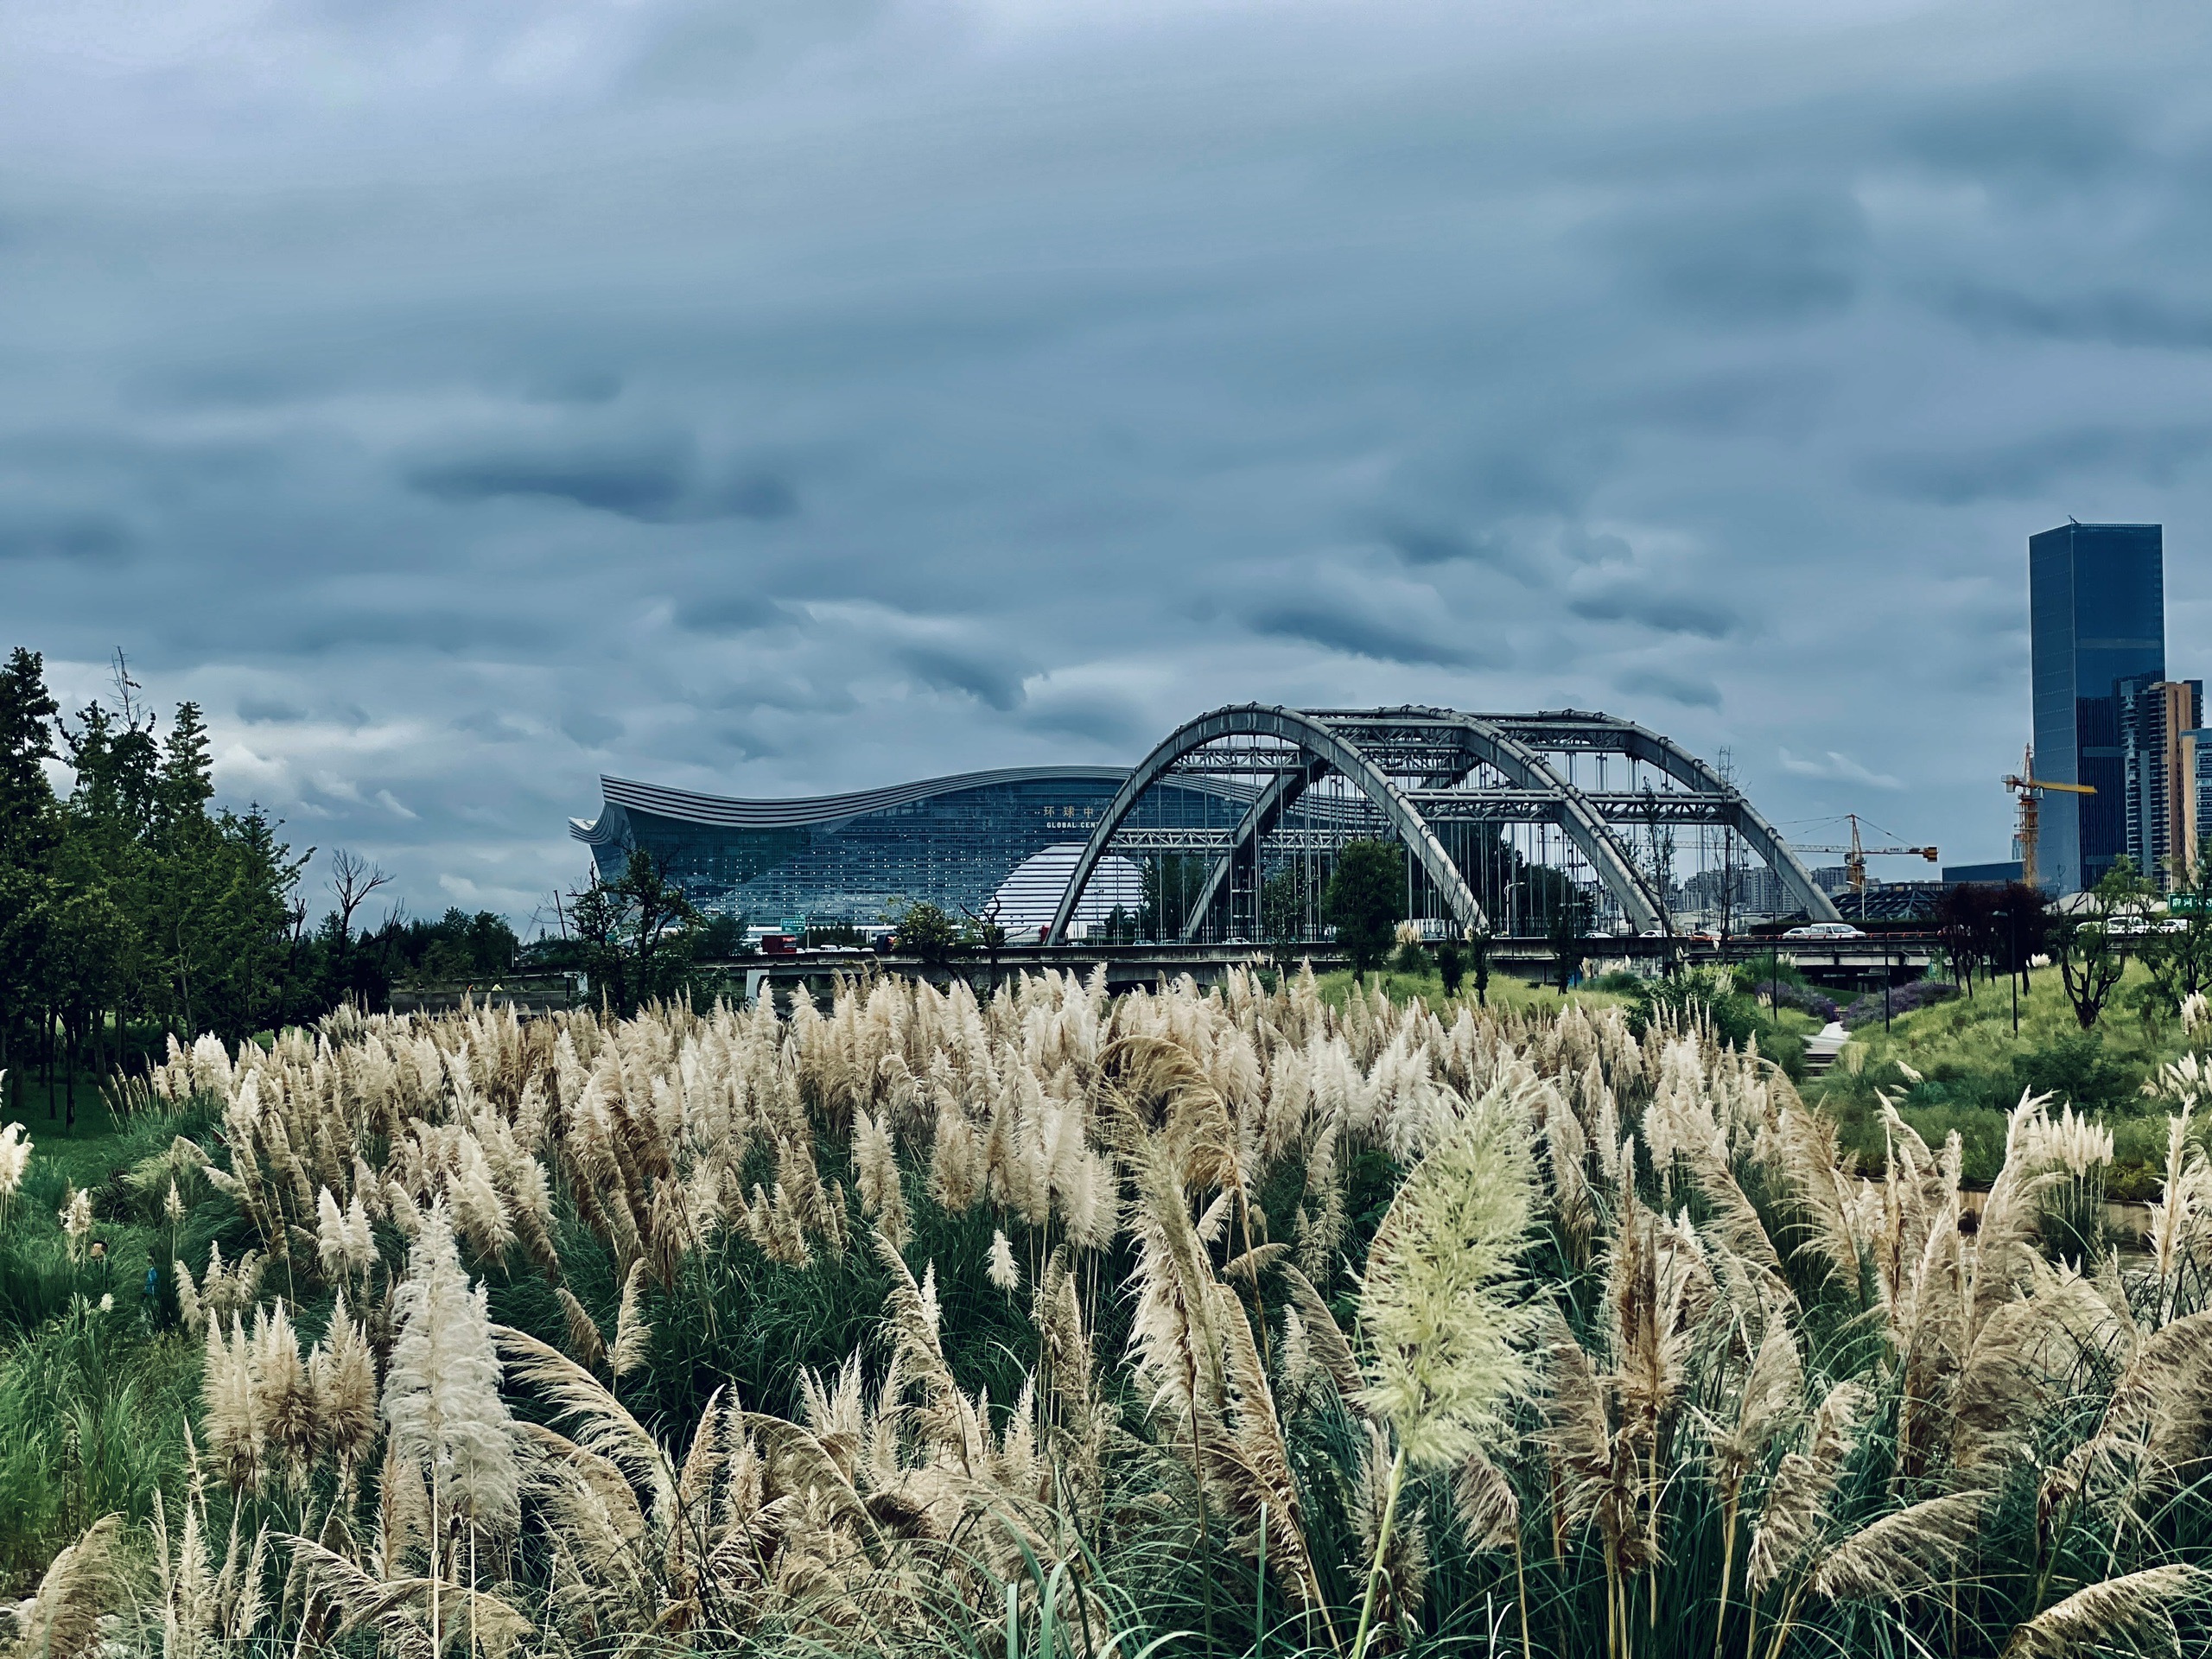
<point x="2097" y="616"/>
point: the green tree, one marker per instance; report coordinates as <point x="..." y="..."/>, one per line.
<point x="1367" y="900"/>
<point x="1286" y="898"/>
<point x="1564" y="934"/>
<point x="1172" y="883"/>
<point x="2179" y="955"/>
<point x="638" y="933"/>
<point x="29" y="826"/>
<point x="927" y="932"/>
<point x="2093" y="947"/>
<point x="1450" y="966"/>
<point x="27" y="712"/>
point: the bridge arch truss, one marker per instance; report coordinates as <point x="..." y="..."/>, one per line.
<point x="1478" y="801"/>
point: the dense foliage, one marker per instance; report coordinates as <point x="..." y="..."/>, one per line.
<point x="131" y="906"/>
<point x="1058" y="1323"/>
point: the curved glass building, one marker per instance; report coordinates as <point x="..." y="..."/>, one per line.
<point x="861" y="858"/>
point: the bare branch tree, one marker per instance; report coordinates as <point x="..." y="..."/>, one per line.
<point x="353" y="879"/>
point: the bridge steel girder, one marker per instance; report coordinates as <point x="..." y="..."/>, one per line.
<point x="1586" y="827"/>
<point x="1318" y="741"/>
<point x="1473" y="742"/>
<point x="1340" y="740"/>
<point x="1639" y="743"/>
<point x="1260" y="818"/>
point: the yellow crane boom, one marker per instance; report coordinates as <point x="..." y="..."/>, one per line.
<point x="2029" y="789"/>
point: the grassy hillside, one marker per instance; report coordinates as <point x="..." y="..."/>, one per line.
<point x="1974" y="1070"/>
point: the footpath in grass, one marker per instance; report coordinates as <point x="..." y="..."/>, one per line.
<point x="1973" y="1069"/>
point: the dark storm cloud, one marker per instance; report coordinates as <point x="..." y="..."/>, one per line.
<point x="84" y="539"/>
<point x="2032" y="467"/>
<point x="590" y="728"/>
<point x="644" y="489"/>
<point x="2111" y="317"/>
<point x="991" y="680"/>
<point x="800" y="396"/>
<point x="1690" y="691"/>
<point x="1111" y="721"/>
<point x="727" y="613"/>
<point x="2043" y="135"/>
<point x="1660" y="609"/>
<point x="1420" y="544"/>
<point x="1337" y="628"/>
<point x="1786" y="258"/>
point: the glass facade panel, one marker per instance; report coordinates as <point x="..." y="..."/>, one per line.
<point x="862" y="858"/>
<point x="2096" y="605"/>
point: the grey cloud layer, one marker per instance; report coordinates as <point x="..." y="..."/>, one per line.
<point x="461" y="404"/>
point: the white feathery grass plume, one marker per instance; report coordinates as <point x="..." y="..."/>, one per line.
<point x="62" y="1619"/>
<point x="633" y="1335"/>
<point x="480" y="1213"/>
<point x="1440" y="1312"/>
<point x="1902" y="1553"/>
<point x="2133" y="1613"/>
<point x="2177" y="1216"/>
<point x="76" y="1218"/>
<point x="585" y="1343"/>
<point x="237" y="1433"/>
<point x="1796" y="1511"/>
<point x="1002" y="1272"/>
<point x="342" y="1373"/>
<point x="187" y="1298"/>
<point x="1485" y="1502"/>
<point x="331" y="1244"/>
<point x="932" y="1316"/>
<point x="14" y="1157"/>
<point x="283" y="1399"/>
<point x="1396" y="1547"/>
<point x="875" y="1165"/>
<point x="441" y="1391"/>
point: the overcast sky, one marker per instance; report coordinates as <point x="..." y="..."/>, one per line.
<point x="462" y="400"/>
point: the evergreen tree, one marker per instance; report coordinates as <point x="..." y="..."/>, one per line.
<point x="1367" y="899"/>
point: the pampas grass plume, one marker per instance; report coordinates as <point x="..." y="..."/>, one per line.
<point x="441" y="1396"/>
<point x="1002" y="1271"/>
<point x="1440" y="1307"/>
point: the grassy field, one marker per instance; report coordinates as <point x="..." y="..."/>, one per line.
<point x="1064" y="1389"/>
<point x="1973" y="1069"/>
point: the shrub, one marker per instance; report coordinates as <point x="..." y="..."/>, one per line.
<point x="1822" y="1007"/>
<point x="1452" y="966"/>
<point x="1904" y="999"/>
<point x="2079" y="1069"/>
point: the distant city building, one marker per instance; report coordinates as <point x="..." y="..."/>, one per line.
<point x="1968" y="875"/>
<point x="2158" y="720"/>
<point x="2097" y="616"/>
<point x="1892" y="901"/>
<point x="2200" y="743"/>
<point x="1025" y="901"/>
<point x="860" y="858"/>
<point x="1749" y="890"/>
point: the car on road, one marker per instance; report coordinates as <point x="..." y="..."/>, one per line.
<point x="1826" y="930"/>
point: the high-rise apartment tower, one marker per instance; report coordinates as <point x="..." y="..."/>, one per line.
<point x="2097" y="616"/>
<point x="2158" y="722"/>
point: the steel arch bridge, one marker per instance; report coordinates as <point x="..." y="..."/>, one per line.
<point x="1599" y="799"/>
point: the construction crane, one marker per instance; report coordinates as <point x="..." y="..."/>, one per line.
<point x="1856" y="855"/>
<point x="2029" y="788"/>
